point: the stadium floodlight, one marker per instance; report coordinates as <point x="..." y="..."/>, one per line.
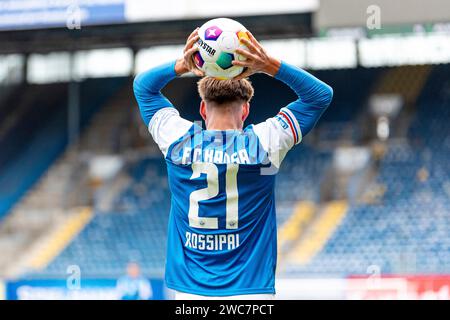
<point x="48" y="68"/>
<point x="103" y="63"/>
<point x="396" y="50"/>
<point x="318" y="53"/>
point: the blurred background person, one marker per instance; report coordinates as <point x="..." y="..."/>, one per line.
<point x="133" y="286"/>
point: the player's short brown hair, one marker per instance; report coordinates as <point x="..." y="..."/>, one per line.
<point x="225" y="91"/>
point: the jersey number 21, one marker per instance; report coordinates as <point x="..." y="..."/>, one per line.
<point x="211" y="191"/>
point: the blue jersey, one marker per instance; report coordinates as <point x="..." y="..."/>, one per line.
<point x="222" y="229"/>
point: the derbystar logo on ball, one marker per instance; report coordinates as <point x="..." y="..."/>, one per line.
<point x="206" y="47"/>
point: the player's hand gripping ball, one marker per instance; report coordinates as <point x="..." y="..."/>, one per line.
<point x="218" y="40"/>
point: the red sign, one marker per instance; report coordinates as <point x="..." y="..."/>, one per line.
<point x="398" y="288"/>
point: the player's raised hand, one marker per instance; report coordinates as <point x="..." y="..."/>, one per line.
<point x="186" y="64"/>
<point x="258" y="60"/>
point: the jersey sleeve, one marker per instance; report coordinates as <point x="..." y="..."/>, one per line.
<point x="166" y="127"/>
<point x="278" y="135"/>
<point x="314" y="96"/>
<point x="163" y="120"/>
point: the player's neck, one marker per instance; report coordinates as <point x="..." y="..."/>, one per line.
<point x="223" y="123"/>
<point x="224" y="117"/>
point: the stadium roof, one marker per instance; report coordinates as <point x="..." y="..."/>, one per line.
<point x="139" y="35"/>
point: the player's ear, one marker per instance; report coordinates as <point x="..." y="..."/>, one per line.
<point x="203" y="110"/>
<point x="245" y="111"/>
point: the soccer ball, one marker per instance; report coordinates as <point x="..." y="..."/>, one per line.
<point x="218" y="40"/>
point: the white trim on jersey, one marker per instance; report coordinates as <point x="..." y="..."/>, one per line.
<point x="189" y="296"/>
<point x="293" y="124"/>
<point x="166" y="127"/>
<point x="278" y="135"/>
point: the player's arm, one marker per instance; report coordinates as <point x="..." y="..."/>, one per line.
<point x="157" y="112"/>
<point x="147" y="85"/>
<point x="314" y="96"/>
<point x="147" y="90"/>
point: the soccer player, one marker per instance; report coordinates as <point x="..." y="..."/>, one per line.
<point x="133" y="286"/>
<point x="222" y="234"/>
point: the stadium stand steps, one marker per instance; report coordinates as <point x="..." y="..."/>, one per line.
<point x="9" y="96"/>
<point x="41" y="135"/>
<point x="40" y="210"/>
<point x="351" y="91"/>
<point x="407" y="81"/>
<point x="19" y="123"/>
<point x="408" y="230"/>
<point x="290" y="231"/>
<point x="329" y="215"/>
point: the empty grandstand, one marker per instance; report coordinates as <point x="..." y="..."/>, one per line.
<point x="83" y="187"/>
<point x="414" y="179"/>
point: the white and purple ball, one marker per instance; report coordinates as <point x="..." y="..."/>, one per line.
<point x="218" y="40"/>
